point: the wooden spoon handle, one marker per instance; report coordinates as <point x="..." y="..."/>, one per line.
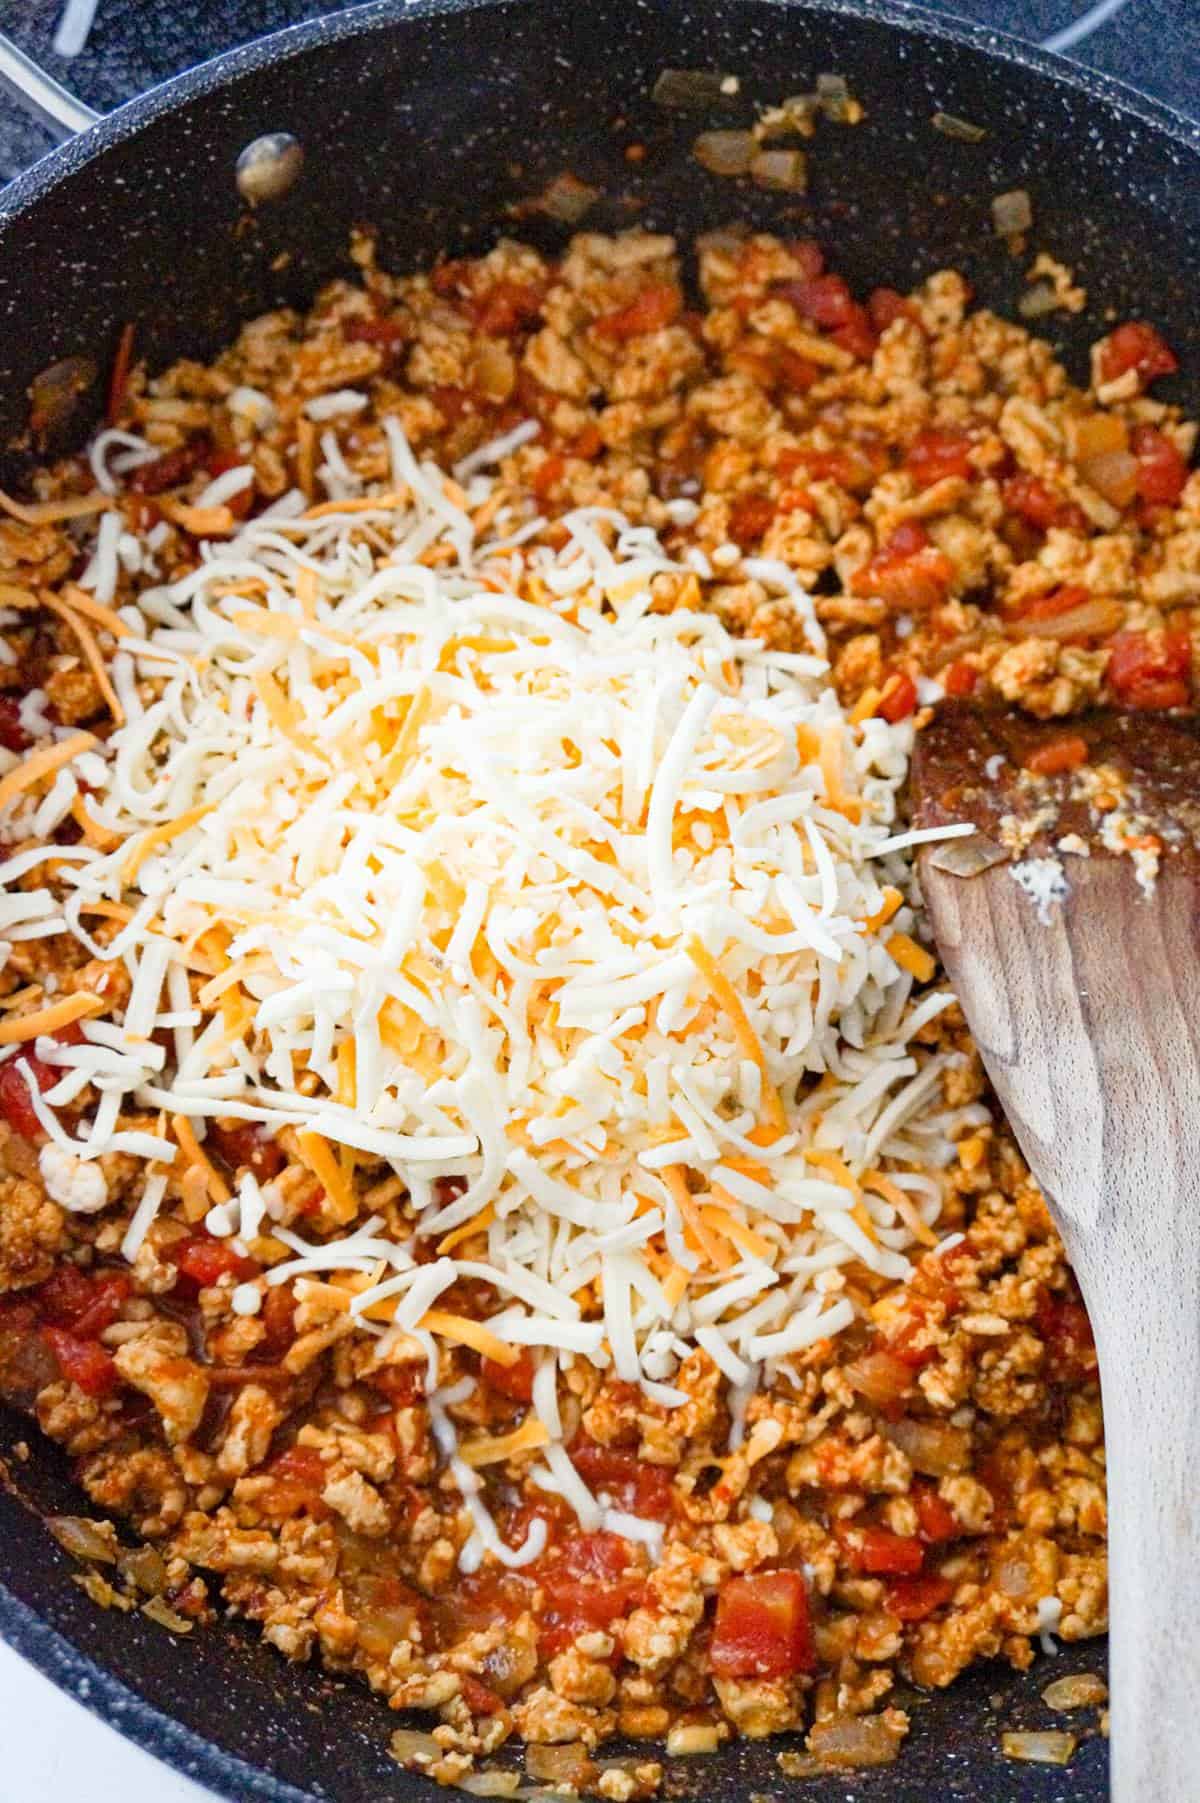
<point x="1149" y="1344"/>
<point x="1089" y="1026"/>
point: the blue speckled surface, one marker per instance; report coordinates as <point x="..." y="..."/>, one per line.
<point x="1153" y="44"/>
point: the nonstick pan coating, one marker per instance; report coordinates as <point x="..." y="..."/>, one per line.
<point x="433" y="121"/>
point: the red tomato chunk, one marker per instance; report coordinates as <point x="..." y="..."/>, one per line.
<point x="201" y="1261"/>
<point x="13" y="736"/>
<point x="907" y="571"/>
<point x="1136" y="345"/>
<point x="515" y="1381"/>
<point x="1150" y="669"/>
<point x="1066" y="1332"/>
<point x="15" y="1103"/>
<point x="1056" y="756"/>
<point x="588" y="1584"/>
<point x="85" y="1303"/>
<point x="243" y="1144"/>
<point x="960" y="678"/>
<point x="936" y="1522"/>
<point x="899" y="698"/>
<point x="879" y="1553"/>
<point x="657" y="306"/>
<point x="762" y="1627"/>
<point x="933" y="456"/>
<point x="1039" y="506"/>
<point x="83" y="1362"/>
<point x="1162" y="467"/>
<point x="912" y="1599"/>
<point x="642" y="1488"/>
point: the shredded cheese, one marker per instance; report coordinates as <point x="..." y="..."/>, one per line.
<point x="557" y="913"/>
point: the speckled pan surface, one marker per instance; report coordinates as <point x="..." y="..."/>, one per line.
<point x="432" y="120"/>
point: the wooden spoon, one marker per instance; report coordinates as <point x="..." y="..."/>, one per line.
<point x="1086" y="1010"/>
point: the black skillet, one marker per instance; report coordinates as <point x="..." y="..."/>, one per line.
<point x="433" y="120"/>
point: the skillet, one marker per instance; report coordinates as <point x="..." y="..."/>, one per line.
<point x="432" y="120"/>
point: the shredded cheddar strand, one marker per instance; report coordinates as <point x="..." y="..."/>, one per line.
<point x="195" y="1155"/>
<point x="158" y="836"/>
<point x="465" y="1332"/>
<point x="912" y="957"/>
<point x="53" y="1018"/>
<point x="318" y="1156"/>
<point x="46" y="762"/>
<point x="739" y="1020"/>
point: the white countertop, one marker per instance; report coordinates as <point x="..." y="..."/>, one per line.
<point x="55" y="1751"/>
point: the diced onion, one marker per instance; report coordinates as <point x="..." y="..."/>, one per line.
<point x="951" y="126"/>
<point x="1090" y="620"/>
<point x="1113" y="474"/>
<point x="568" y="1764"/>
<point x="932" y="1447"/>
<point x="85" y="1539"/>
<point x="693" y="88"/>
<point x="411" y="1743"/>
<point x="1083" y="1691"/>
<point x="854" y="1740"/>
<point x="1012" y="213"/>
<point x="1040" y="300"/>
<point x="1049" y="1748"/>
<point x="966" y="857"/>
<point x="725" y="152"/>
<point x="567" y="198"/>
<point x="783" y="170"/>
<point x="161" y="1612"/>
<point x="490" y="1784"/>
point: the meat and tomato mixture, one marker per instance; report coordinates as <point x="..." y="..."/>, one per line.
<point x="931" y="1490"/>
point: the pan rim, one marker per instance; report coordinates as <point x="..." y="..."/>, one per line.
<point x="46" y="1648"/>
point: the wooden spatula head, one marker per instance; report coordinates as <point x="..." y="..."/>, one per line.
<point x="1069" y="925"/>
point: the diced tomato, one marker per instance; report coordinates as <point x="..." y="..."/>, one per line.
<point x="243" y="1145"/>
<point x="454" y="279"/>
<point x="506" y="307"/>
<point x="515" y="1381"/>
<point x="15" y="1103"/>
<point x="960" y="678"/>
<point x="13" y="736"/>
<point x="794" y="371"/>
<point x="907" y="571"/>
<point x="85" y="1302"/>
<point x="656" y="306"/>
<point x="1039" y="506"/>
<point x="1056" y="756"/>
<point x="84" y="1363"/>
<point x="826" y="301"/>
<point x="855" y="466"/>
<point x="201" y="1261"/>
<point x="934" y="455"/>
<point x="1066" y="1332"/>
<point x="796" y="500"/>
<point x="749" y="519"/>
<point x="172" y="468"/>
<point x="454" y="404"/>
<point x="634" y="1483"/>
<point x="387" y="333"/>
<point x="882" y="1376"/>
<point x="1150" y="669"/>
<point x="936" y="1522"/>
<point x="912" y="1599"/>
<point x="297" y="1480"/>
<point x="478" y="1698"/>
<point x="1057" y="601"/>
<point x="899" y="698"/>
<point x="1136" y="345"/>
<point x="1162" y="466"/>
<point x="278" y="1318"/>
<point x="588" y="1583"/>
<point x="548" y="475"/>
<point x="885" y="306"/>
<point x="762" y="1627"/>
<point x="879" y="1553"/>
<point x="588" y="444"/>
<point x="403" y="1385"/>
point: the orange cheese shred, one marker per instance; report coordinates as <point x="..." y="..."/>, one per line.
<point x="52" y="1019"/>
<point x="150" y="841"/>
<point x="912" y="957"/>
<point x="464" y="1332"/>
<point x="39" y="764"/>
<point x="318" y="1156"/>
<point x="728" y="999"/>
<point x="195" y="1155"/>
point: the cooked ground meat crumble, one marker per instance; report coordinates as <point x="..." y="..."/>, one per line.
<point x="964" y="517"/>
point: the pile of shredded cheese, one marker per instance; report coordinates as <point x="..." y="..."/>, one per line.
<point x="444" y="848"/>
